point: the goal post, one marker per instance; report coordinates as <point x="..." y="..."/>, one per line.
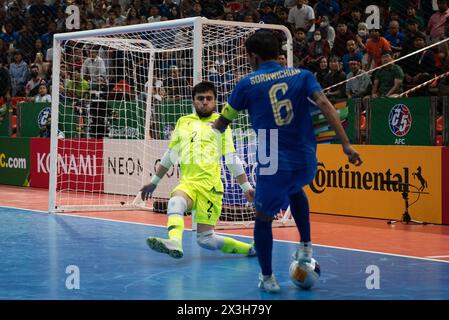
<point x="116" y="96"/>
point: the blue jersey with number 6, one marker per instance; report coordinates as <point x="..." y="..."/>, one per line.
<point x="276" y="98"/>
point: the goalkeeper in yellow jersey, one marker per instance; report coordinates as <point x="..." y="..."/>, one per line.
<point x="199" y="149"/>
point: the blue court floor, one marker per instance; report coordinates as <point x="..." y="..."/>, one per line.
<point x="114" y="262"/>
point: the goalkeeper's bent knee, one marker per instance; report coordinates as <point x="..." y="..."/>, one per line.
<point x="209" y="240"/>
<point x="176" y="205"/>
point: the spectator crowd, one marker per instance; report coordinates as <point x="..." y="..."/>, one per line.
<point x="333" y="38"/>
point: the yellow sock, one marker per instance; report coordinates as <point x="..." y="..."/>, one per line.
<point x="175" y="226"/>
<point x="234" y="246"/>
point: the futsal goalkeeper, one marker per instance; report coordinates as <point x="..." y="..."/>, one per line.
<point x="199" y="149"/>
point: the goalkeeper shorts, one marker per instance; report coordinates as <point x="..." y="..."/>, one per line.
<point x="206" y="203"/>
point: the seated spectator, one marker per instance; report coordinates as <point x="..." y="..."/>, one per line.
<point x="93" y="67"/>
<point x="282" y="59"/>
<point x="352" y="52"/>
<point x="32" y="86"/>
<point x="355" y="20"/>
<point x="37" y="48"/>
<point x="175" y="85"/>
<point x="154" y="15"/>
<point x="411" y="14"/>
<point x="300" y="47"/>
<point x="330" y="8"/>
<point x="18" y="70"/>
<point x="212" y="9"/>
<point x="78" y="88"/>
<point x="40" y="14"/>
<point x="42" y="95"/>
<point x="42" y="65"/>
<point x="26" y="41"/>
<point x="5" y="81"/>
<point x="435" y="27"/>
<point x="120" y="18"/>
<point x="301" y="16"/>
<point x="282" y="17"/>
<point x="323" y="70"/>
<point x="248" y="9"/>
<point x="15" y="16"/>
<point x="342" y="36"/>
<point x="197" y="10"/>
<point x="327" y="31"/>
<point x="360" y="86"/>
<point x="362" y="35"/>
<point x="47" y="38"/>
<point x="186" y="8"/>
<point x="395" y="38"/>
<point x="375" y="45"/>
<point x="318" y="48"/>
<point x="335" y="76"/>
<point x="388" y="80"/>
<point x="267" y="15"/>
<point x="419" y="67"/>
<point x="132" y="16"/>
<point x="166" y="7"/>
<point x="409" y="36"/>
<point x="112" y="20"/>
<point x="9" y="36"/>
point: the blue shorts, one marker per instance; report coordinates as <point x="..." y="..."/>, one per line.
<point x="272" y="191"/>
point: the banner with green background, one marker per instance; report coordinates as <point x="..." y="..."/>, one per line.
<point x="15" y="161"/>
<point x="404" y="121"/>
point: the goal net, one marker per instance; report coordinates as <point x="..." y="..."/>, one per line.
<point x="117" y="95"/>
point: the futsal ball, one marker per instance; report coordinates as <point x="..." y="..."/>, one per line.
<point x="304" y="274"/>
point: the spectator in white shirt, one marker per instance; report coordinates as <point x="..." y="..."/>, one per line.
<point x="302" y="16"/>
<point x="93" y="67"/>
<point x="43" y="95"/>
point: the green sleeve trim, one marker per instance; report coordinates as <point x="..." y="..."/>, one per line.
<point x="229" y="112"/>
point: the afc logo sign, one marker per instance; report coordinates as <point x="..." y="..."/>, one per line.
<point x="400" y="122"/>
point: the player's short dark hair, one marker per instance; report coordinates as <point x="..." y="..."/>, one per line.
<point x="202" y="87"/>
<point x="264" y="44"/>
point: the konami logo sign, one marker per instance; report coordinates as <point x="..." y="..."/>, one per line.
<point x="80" y="164"/>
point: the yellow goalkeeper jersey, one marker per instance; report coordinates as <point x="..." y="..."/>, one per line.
<point x="200" y="149"/>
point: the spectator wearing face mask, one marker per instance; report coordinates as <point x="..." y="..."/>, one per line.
<point x="32" y="86"/>
<point x="362" y="35"/>
<point x="327" y="31"/>
<point x="318" y="48"/>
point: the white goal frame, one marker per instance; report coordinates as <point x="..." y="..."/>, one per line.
<point x="95" y="35"/>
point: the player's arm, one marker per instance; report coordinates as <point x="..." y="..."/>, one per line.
<point x="333" y="119"/>
<point x="226" y="116"/>
<point x="167" y="161"/>
<point x="235" y="166"/>
<point x="236" y="102"/>
<point x="169" y="158"/>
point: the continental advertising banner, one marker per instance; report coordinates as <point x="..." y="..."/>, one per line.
<point x="375" y="188"/>
<point x="80" y="164"/>
<point x="14" y="161"/>
<point x="126" y="170"/>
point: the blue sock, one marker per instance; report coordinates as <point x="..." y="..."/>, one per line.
<point x="263" y="240"/>
<point x="299" y="206"/>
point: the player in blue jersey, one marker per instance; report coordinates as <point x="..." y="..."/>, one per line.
<point x="277" y="102"/>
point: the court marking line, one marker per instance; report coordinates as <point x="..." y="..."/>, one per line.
<point x="231" y="234"/>
<point x="446" y="256"/>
